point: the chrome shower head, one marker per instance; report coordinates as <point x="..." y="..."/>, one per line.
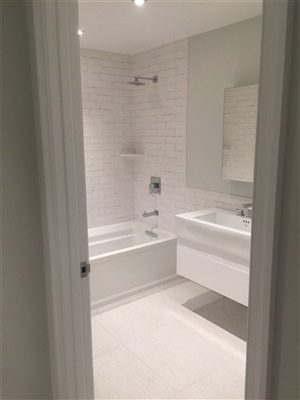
<point x="136" y="82"/>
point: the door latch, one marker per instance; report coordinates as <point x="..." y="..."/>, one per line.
<point x="85" y="269"/>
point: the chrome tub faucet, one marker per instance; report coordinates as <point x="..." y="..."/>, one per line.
<point x="151" y="214"/>
<point x="151" y="233"/>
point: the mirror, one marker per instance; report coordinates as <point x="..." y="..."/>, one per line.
<point x="223" y="58"/>
<point x="239" y="132"/>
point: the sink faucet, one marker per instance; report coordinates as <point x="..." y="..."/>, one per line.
<point x="248" y="207"/>
<point x="150" y="214"/>
<point x="240" y="212"/>
<point x="246" y="211"/>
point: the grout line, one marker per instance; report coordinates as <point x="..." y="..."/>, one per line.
<point x="109" y="351"/>
<point x="152" y="369"/>
<point x="150" y="332"/>
<point x="109" y="333"/>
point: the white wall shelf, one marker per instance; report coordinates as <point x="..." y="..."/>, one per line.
<point x="131" y="155"/>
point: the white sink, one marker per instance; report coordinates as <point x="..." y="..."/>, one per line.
<point x="227" y="220"/>
<point x="222" y="230"/>
<point x="213" y="249"/>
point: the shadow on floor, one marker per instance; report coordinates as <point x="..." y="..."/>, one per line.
<point x="227" y="314"/>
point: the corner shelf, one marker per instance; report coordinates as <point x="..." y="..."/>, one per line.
<point x="131" y="155"/>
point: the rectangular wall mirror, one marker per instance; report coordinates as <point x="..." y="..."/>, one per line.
<point x="239" y="133"/>
<point x="227" y="57"/>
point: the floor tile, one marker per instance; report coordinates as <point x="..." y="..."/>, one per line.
<point x="121" y="375"/>
<point x="226" y="382"/>
<point x="102" y="340"/>
<point x="171" y="300"/>
<point x="180" y="354"/>
<point x="181" y="293"/>
<point x="176" y="397"/>
<point x="227" y="314"/>
<point x="134" y="320"/>
<point x="167" y="351"/>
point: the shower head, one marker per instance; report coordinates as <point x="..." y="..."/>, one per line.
<point x="137" y="82"/>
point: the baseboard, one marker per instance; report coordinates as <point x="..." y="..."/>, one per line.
<point x="128" y="296"/>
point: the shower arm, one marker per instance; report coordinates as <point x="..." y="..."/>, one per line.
<point x="154" y="79"/>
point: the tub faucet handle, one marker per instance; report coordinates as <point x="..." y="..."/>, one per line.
<point x="155" y="185"/>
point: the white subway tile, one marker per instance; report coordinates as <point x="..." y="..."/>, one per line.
<point x="151" y="119"/>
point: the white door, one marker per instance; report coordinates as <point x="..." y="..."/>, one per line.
<point x="59" y="115"/>
<point x="56" y="64"/>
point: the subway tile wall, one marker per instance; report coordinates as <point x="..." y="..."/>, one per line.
<point x="150" y="119"/>
<point x="240" y="114"/>
<point x="160" y="127"/>
<point x="107" y="117"/>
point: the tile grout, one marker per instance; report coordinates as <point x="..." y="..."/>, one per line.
<point x="151" y="332"/>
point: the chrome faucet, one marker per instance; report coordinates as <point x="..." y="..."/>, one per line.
<point x="248" y="207"/>
<point x="246" y="211"/>
<point x="240" y="212"/>
<point x="150" y="214"/>
<point x="151" y="233"/>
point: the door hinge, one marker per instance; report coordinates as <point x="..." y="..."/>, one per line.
<point x="85" y="269"/>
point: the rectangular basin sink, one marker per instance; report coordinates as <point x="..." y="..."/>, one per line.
<point x="217" y="231"/>
<point x="227" y="220"/>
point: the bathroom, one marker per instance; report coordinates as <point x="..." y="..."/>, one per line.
<point x="169" y="214"/>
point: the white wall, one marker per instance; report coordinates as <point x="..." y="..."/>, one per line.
<point x="219" y="59"/>
<point x="107" y="116"/>
<point x="159" y="122"/>
<point x="25" y="348"/>
<point x="152" y="119"/>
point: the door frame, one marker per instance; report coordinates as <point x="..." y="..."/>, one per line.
<point x="268" y="177"/>
<point x="58" y="110"/>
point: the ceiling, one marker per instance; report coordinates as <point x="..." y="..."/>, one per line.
<point x="122" y="27"/>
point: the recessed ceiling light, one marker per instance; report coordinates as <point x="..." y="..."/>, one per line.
<point x="80" y="32"/>
<point x="139" y="2"/>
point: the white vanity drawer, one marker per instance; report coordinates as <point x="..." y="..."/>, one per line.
<point x="220" y="275"/>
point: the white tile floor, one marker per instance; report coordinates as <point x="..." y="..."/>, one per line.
<point x="154" y="348"/>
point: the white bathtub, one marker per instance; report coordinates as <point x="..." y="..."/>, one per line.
<point x="124" y="261"/>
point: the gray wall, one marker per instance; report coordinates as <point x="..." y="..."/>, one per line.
<point x="218" y="59"/>
<point x="285" y="379"/>
<point x="25" y="347"/>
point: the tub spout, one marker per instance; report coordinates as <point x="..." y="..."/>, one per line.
<point x="150" y="214"/>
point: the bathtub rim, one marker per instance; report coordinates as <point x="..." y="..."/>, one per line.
<point x="123" y="225"/>
<point x="167" y="237"/>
